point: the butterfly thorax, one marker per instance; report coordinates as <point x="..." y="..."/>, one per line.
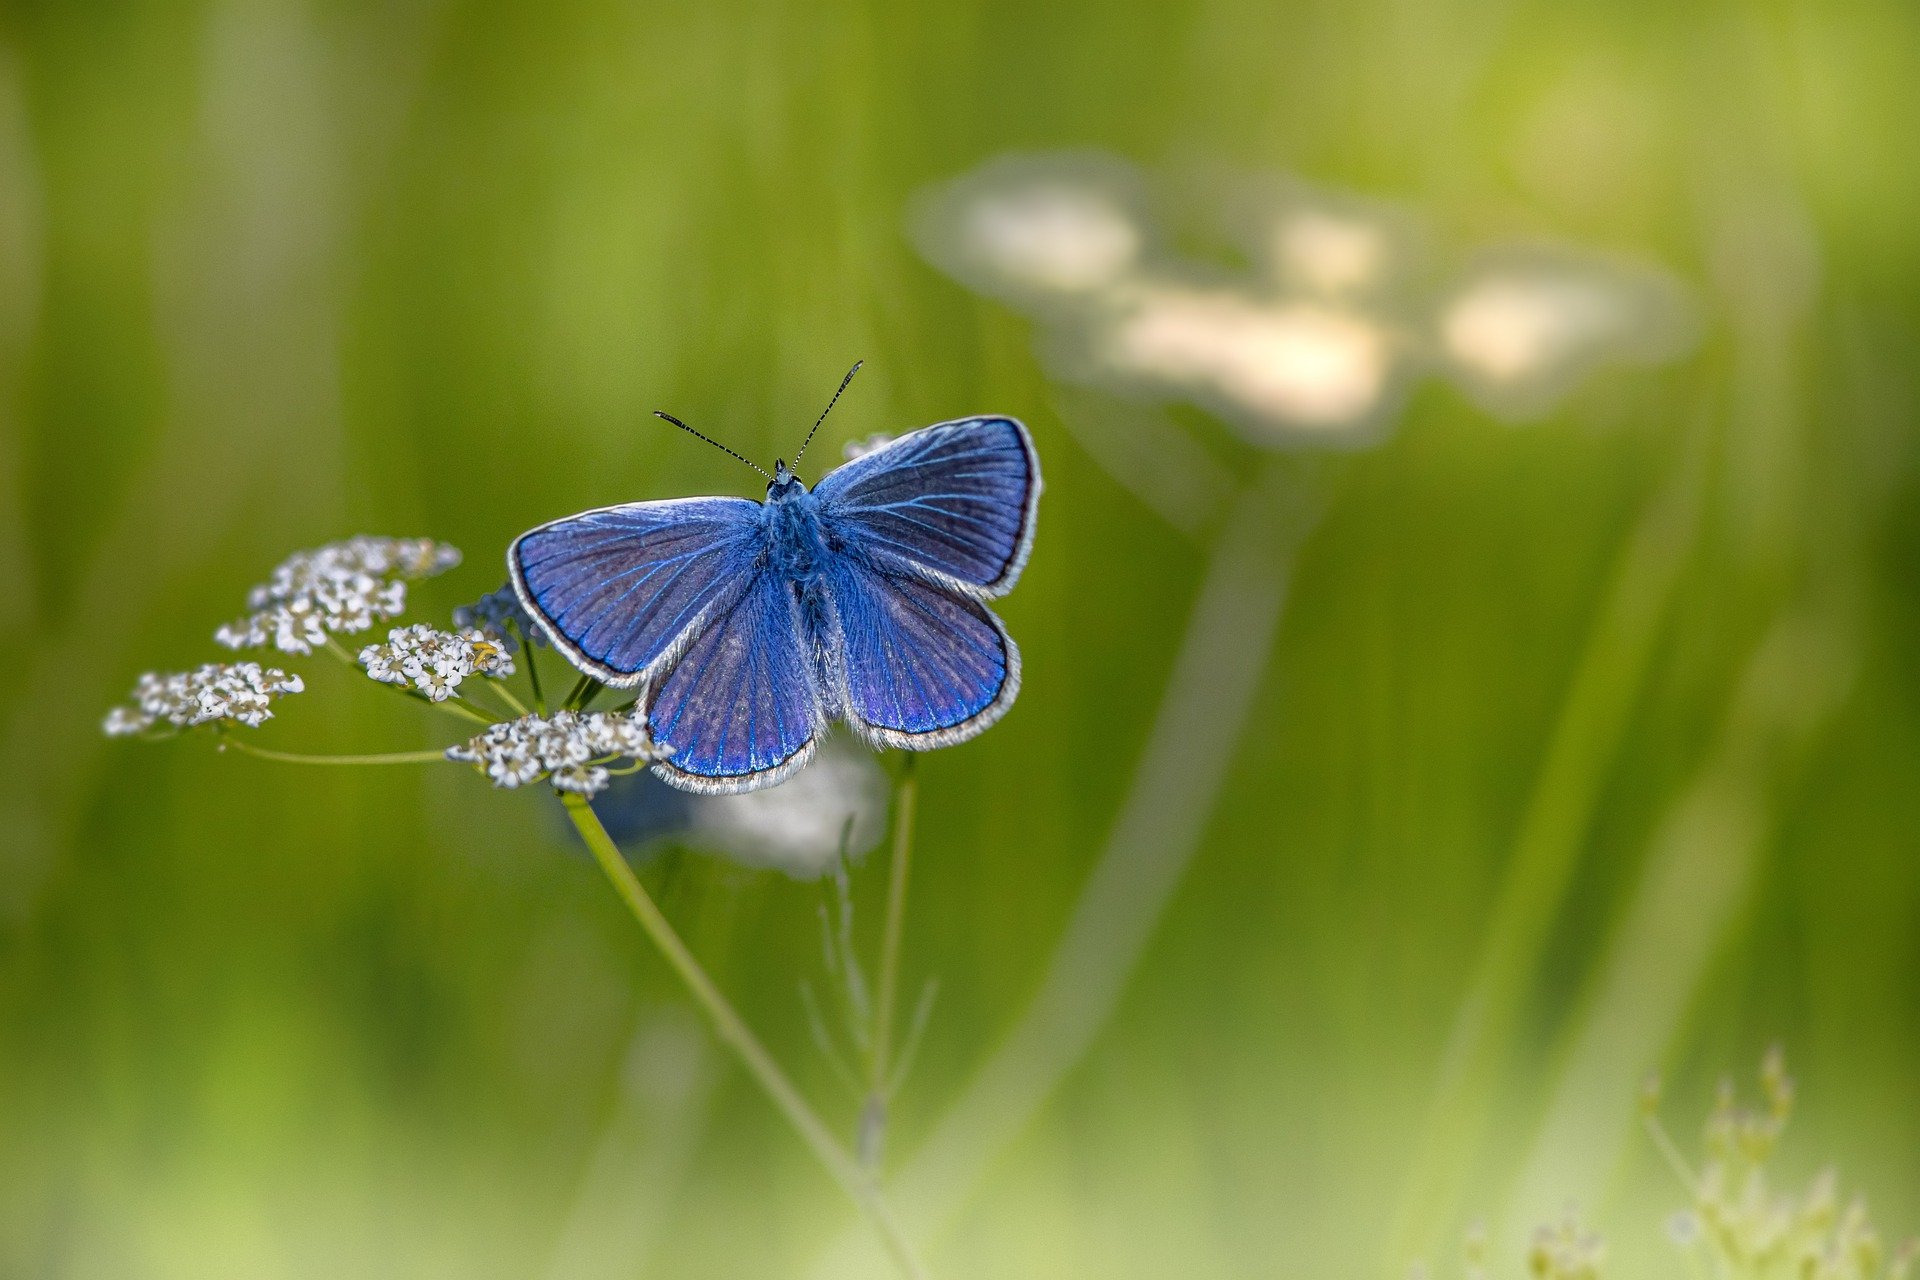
<point x="795" y="541"/>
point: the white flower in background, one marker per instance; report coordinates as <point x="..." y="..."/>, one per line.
<point x="1057" y="237"/>
<point x="1739" y="1224"/>
<point x="1316" y="344"/>
<point x="1328" y="253"/>
<point x="341" y="588"/>
<point x="1566" y="1251"/>
<point x="1314" y="242"/>
<point x="794" y="827"/>
<point x="237" y="692"/>
<point x="1051" y="230"/>
<point x="572" y="748"/>
<point x="1524" y="326"/>
<point x="501" y="613"/>
<point x="797" y="826"/>
<point x="861" y="448"/>
<point x="434" y="661"/>
<point x="1272" y="366"/>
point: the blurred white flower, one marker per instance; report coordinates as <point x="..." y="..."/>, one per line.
<point x="1272" y="366"/>
<point x="1044" y="229"/>
<point x="501" y="614"/>
<point x="1566" y="1251"/>
<point x="1748" y="1228"/>
<point x="1054" y="237"/>
<point x="1320" y="243"/>
<point x="1683" y="1229"/>
<point x="434" y="661"/>
<point x="571" y="747"/>
<point x="861" y="448"/>
<point x="795" y="827"/>
<point x="1330" y="254"/>
<point x="239" y="692"/>
<point x="1524" y="326"/>
<point x="341" y="588"/>
<point x="1319" y="342"/>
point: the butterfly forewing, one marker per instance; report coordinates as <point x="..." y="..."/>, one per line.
<point x="621" y="588"/>
<point x="955" y="500"/>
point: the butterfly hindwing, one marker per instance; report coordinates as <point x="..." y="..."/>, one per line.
<point x="954" y="501"/>
<point x="622" y="588"/>
<point x="921" y="665"/>
<point x="739" y="709"/>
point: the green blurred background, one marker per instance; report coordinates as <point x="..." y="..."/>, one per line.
<point x="1597" y="735"/>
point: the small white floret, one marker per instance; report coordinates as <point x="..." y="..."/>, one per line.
<point x="434" y="661"/>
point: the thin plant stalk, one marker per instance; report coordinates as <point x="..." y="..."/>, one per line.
<point x="533" y="669"/>
<point x="506" y="695"/>
<point x="584" y="690"/>
<point x="300" y="757"/>
<point x="1222" y="660"/>
<point x="734" y="1032"/>
<point x="874" y="1118"/>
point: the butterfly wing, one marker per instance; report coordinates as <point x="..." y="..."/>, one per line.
<point x="740" y="709"/>
<point x="954" y="502"/>
<point x="623" y="590"/>
<point x="921" y="664"/>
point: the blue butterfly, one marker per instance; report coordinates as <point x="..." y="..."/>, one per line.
<point x="752" y="626"/>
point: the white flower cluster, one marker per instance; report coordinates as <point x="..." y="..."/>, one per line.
<point x="434" y="661"/>
<point x="236" y="691"/>
<point x="343" y="587"/>
<point x="1566" y="1251"/>
<point x="501" y="613"/>
<point x="1740" y="1225"/>
<point x="571" y="747"/>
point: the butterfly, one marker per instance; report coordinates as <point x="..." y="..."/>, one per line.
<point x="750" y="627"/>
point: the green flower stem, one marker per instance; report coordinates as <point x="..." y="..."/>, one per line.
<point x="452" y="706"/>
<point x="583" y="692"/>
<point x="1221" y="661"/>
<point x="879" y="1067"/>
<point x="735" y="1033"/>
<point x="499" y="689"/>
<point x="299" y="757"/>
<point x="533" y="669"/>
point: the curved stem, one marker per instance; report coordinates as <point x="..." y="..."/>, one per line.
<point x="1216" y="675"/>
<point x="734" y="1031"/>
<point x="299" y="757"/>
<point x="452" y="706"/>
<point x="499" y="689"/>
<point x="533" y="668"/>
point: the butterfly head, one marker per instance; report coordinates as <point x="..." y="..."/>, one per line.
<point x="784" y="485"/>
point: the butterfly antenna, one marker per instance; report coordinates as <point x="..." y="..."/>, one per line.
<point x="824" y="412"/>
<point x="710" y="440"/>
